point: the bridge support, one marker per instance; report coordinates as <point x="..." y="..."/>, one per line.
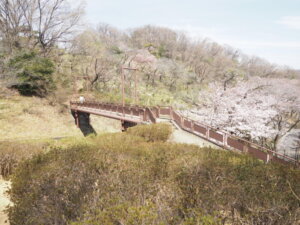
<point x="82" y="121"/>
<point x="127" y="124"/>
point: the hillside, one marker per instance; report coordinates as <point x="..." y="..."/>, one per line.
<point x="23" y="118"/>
<point x="131" y="178"/>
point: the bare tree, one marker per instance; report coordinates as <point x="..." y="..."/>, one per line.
<point x="102" y="68"/>
<point x="12" y="21"/>
<point x="108" y="34"/>
<point x="37" y="22"/>
<point x="55" y="21"/>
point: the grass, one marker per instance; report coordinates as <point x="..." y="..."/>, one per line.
<point x="127" y="178"/>
<point x="31" y="117"/>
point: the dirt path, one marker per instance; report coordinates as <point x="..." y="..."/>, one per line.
<point x="181" y="136"/>
<point x="4" y="201"/>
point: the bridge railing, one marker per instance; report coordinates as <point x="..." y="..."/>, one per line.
<point x="226" y="140"/>
<point x="145" y="114"/>
<point x="220" y="138"/>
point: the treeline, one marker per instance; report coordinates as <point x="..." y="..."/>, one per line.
<point x="167" y="58"/>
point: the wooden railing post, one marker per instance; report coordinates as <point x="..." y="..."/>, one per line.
<point x="245" y="148"/>
<point x="268" y="158"/>
<point x="171" y="113"/>
<point x="181" y="122"/>
<point x="225" y="139"/>
<point x="156" y="112"/>
<point x="144" y="115"/>
<point x="207" y="133"/>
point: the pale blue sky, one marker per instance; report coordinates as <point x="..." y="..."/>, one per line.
<point x="266" y="28"/>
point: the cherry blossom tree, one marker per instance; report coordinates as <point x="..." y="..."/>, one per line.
<point x="290" y="143"/>
<point x="259" y="109"/>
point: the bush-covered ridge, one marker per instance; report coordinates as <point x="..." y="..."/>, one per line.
<point x="155" y="132"/>
<point x="126" y="179"/>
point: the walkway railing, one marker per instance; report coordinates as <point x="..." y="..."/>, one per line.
<point x="217" y="137"/>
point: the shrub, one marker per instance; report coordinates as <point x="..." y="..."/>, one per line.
<point x="125" y="179"/>
<point x="240" y="190"/>
<point x="11" y="154"/>
<point x="50" y="188"/>
<point x="34" y="74"/>
<point x="153" y="132"/>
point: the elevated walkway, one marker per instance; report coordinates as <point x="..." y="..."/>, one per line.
<point x="188" y="131"/>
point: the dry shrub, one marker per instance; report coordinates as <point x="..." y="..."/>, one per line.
<point x="125" y="179"/>
<point x="32" y="111"/>
<point x="12" y="153"/>
<point x="240" y="190"/>
<point x="153" y="132"/>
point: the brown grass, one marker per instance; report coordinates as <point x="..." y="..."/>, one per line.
<point x="31" y="117"/>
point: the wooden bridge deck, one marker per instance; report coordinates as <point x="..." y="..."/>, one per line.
<point x="138" y="115"/>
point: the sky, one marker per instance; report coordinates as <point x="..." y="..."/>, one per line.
<point x="266" y="28"/>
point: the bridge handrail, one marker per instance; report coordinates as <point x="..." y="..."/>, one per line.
<point x="109" y="103"/>
<point x="226" y="135"/>
<point x="134" y="109"/>
<point x="243" y="140"/>
<point x="151" y="115"/>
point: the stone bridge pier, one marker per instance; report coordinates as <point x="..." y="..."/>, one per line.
<point x="127" y="124"/>
<point x="82" y="121"/>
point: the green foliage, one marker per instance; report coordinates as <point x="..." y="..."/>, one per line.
<point x="148" y="45"/>
<point x="34" y="74"/>
<point x="153" y="132"/>
<point x="125" y="179"/>
<point x="161" y="51"/>
<point x="116" y="50"/>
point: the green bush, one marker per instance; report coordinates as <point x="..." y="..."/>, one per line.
<point x="34" y="74"/>
<point x="153" y="132"/>
<point x="125" y="179"/>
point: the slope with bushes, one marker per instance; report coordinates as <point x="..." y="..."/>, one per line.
<point x="131" y="178"/>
